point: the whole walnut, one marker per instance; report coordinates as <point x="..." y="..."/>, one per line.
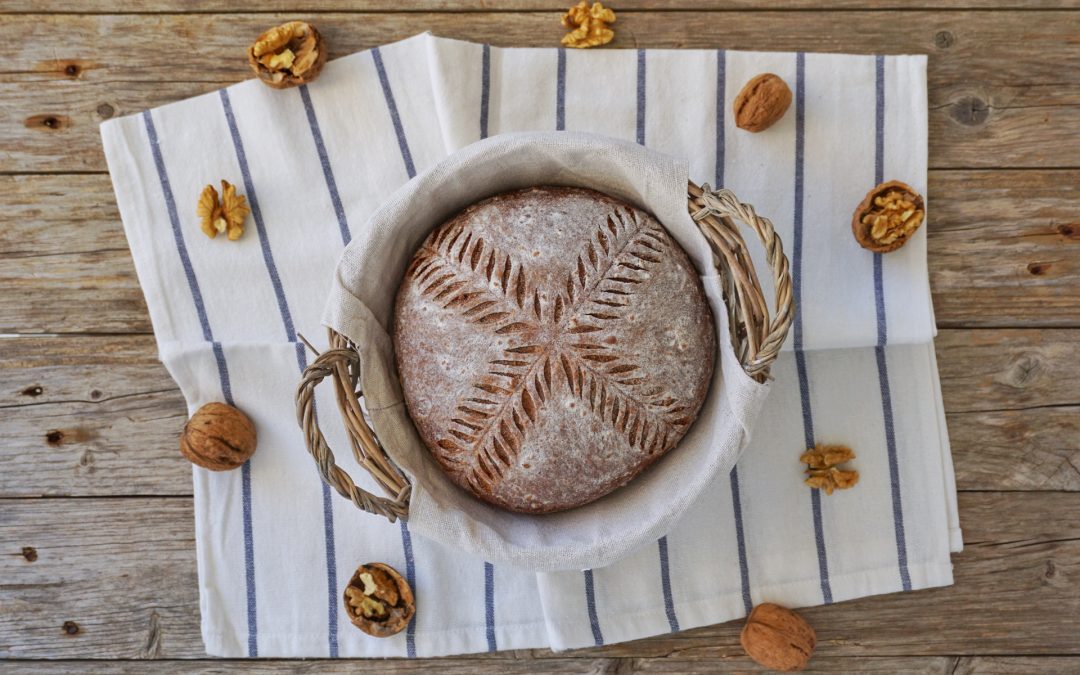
<point x="778" y="638"/>
<point x="218" y="437"/>
<point x="761" y="102"/>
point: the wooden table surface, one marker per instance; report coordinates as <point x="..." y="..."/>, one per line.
<point x="97" y="553"/>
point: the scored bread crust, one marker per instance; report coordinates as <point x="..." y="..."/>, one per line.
<point x="551" y="344"/>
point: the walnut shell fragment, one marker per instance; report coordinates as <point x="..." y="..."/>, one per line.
<point x="761" y="102"/>
<point x="778" y="638"/>
<point x="378" y="600"/>
<point x="218" y="437"/>
<point x="288" y="55"/>
<point x="888" y="216"/>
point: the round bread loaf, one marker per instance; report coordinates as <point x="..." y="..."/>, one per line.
<point x="551" y="344"/>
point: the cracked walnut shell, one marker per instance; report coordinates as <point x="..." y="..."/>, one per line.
<point x="888" y="216"/>
<point x="218" y="437"/>
<point x="761" y="102"/>
<point x="288" y="55"/>
<point x="378" y="600"/>
<point x="588" y="25"/>
<point x="225" y="215"/>
<point x="778" y="638"/>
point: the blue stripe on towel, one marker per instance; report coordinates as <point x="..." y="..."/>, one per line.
<point x="403" y="146"/>
<point x="590" y="602"/>
<point x="223" y="375"/>
<point x="796" y="277"/>
<point x="301" y="360"/>
<point x="882" y="339"/>
<point x="740" y="538"/>
<point x="388" y="94"/>
<point x="641" y="97"/>
<point x="324" y="160"/>
<point x="410" y="576"/>
<point x="560" y="90"/>
<point x="721" y="110"/>
<point x="489" y="605"/>
<point x="485" y="88"/>
<point x="665" y="583"/>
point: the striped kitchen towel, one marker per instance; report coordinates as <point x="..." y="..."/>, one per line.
<point x="275" y="548"/>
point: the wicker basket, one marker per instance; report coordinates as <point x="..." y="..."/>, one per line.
<point x="755" y="335"/>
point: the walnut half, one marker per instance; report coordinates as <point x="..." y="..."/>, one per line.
<point x="588" y="25"/>
<point x="378" y="600"/>
<point x="823" y="472"/>
<point x="225" y="215"/>
<point x="287" y="55"/>
<point x="888" y="216"/>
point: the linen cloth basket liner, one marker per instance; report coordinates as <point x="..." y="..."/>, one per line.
<point x="361" y="306"/>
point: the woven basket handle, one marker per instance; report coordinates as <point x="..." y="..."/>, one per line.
<point x="342" y="363"/>
<point x="755" y="335"/>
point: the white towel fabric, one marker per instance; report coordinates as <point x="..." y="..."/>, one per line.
<point x="274" y="547"/>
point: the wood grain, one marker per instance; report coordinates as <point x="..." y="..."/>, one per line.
<point x="995" y="100"/>
<point x="128" y="585"/>
<point x="1004" y="245"/>
<point x="622" y="7"/>
<point x="1004" y="249"/>
<point x="507" y="664"/>
<point x="988" y="370"/>
<point x="99" y="415"/>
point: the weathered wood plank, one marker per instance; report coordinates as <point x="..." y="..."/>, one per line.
<point x="1004" y="251"/>
<point x="1031" y="449"/>
<point x="1004" y="245"/>
<point x="65" y="265"/>
<point x="224" y="7"/>
<point x="99" y="415"/>
<point x="107" y="577"/>
<point x="128" y="584"/>
<point x="64" y="258"/>
<point x="508" y="663"/>
<point x="503" y="664"/>
<point x="995" y="99"/>
<point x="1015" y="664"/>
<point x="987" y="370"/>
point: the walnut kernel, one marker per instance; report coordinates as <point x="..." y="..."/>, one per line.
<point x="888" y="216"/>
<point x="287" y="55"/>
<point x="225" y="215"/>
<point x="822" y="472"/>
<point x="778" y="638"/>
<point x="588" y="25"/>
<point x="761" y="102"/>
<point x="378" y="600"/>
<point x="218" y="437"/>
